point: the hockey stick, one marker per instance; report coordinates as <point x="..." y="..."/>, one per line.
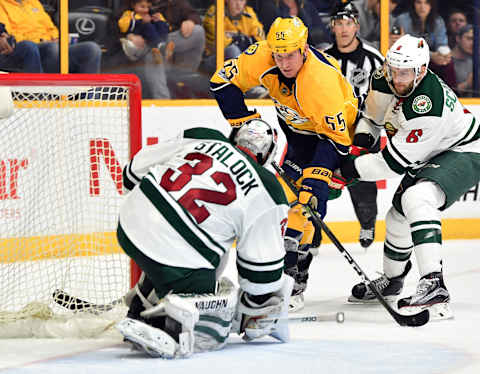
<point x="338" y="317"/>
<point x="413" y="320"/>
<point x="76" y="304"/>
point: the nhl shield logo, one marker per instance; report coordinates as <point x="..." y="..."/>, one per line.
<point x="422" y="104"/>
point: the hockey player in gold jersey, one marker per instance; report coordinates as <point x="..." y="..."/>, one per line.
<point x="316" y="109"/>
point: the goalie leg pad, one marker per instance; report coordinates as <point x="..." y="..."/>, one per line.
<point x="210" y="329"/>
<point x="257" y="318"/>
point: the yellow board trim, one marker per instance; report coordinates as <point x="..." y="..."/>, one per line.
<point x="36" y="247"/>
<point x="452" y="229"/>
<point x="40" y="247"/>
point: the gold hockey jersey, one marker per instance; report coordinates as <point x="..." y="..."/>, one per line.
<point x="319" y="102"/>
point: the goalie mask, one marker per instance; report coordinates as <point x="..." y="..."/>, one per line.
<point x="404" y="62"/>
<point x="256" y="138"/>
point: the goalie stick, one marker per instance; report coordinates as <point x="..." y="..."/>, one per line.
<point x="74" y="303"/>
<point x="413" y="320"/>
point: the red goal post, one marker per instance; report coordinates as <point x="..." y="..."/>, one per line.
<point x="63" y="149"/>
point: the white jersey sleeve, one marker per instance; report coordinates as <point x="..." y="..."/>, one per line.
<point x="147" y="157"/>
<point x="260" y="251"/>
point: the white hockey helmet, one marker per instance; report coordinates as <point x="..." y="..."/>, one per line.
<point x="257" y="138"/>
<point x="408" y="52"/>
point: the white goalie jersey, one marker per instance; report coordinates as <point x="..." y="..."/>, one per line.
<point x="419" y="127"/>
<point x="190" y="201"/>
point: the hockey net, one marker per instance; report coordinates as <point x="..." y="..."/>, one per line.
<point x="61" y="160"/>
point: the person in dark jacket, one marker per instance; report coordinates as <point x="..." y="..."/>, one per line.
<point x="186" y="32"/>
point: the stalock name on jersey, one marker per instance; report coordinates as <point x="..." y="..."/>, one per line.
<point x="231" y="159"/>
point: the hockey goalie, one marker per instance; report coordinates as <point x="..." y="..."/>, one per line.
<point x="189" y="200"/>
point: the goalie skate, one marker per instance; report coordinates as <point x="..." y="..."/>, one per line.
<point x="431" y="294"/>
<point x="389" y="288"/>
<point x="155" y="342"/>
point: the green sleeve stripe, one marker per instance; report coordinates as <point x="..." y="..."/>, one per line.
<point x="260" y="263"/>
<point x="177" y="222"/>
<point x="473" y="126"/>
<point x="391" y="162"/>
<point x="261" y="276"/>
<point x="212" y="332"/>
<point x="397" y="154"/>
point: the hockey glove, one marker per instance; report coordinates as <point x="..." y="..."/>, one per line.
<point x="347" y="167"/>
<point x="238" y="122"/>
<point x="314" y="190"/>
<point x="337" y="183"/>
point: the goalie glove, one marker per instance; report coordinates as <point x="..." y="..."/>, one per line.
<point x="261" y="315"/>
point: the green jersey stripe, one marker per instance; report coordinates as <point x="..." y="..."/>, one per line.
<point x="204" y="133"/>
<point x="473" y="129"/>
<point x="260" y="276"/>
<point x="397" y="154"/>
<point x="177" y="222"/>
<point x="391" y="162"/>
<point x="205" y="234"/>
<point x="260" y="263"/>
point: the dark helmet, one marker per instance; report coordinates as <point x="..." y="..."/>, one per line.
<point x="344" y="9"/>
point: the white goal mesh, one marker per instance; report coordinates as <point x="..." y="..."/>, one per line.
<point x="61" y="159"/>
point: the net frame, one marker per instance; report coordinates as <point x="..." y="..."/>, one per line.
<point x="57" y="85"/>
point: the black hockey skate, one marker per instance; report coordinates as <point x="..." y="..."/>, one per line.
<point x="366" y="237"/>
<point x="389" y="288"/>
<point x="299" y="272"/>
<point x="431" y="294"/>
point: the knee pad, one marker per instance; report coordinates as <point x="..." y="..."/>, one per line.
<point x="421" y="201"/>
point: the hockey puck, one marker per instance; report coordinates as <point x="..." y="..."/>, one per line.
<point x="340" y="317"/>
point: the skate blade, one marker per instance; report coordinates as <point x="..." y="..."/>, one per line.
<point x="145" y="338"/>
<point x="389" y="299"/>
<point x="438" y="312"/>
<point x="296" y="303"/>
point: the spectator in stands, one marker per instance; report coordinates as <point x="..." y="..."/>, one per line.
<point x="422" y="20"/>
<point x="456" y="20"/>
<point x="241" y="26"/>
<point x="29" y="21"/>
<point x="139" y="19"/>
<point x="462" y="60"/>
<point x="369" y="19"/>
<point x="186" y="32"/>
<point x="268" y="11"/>
<point x="23" y="56"/>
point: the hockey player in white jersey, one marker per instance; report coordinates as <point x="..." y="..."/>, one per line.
<point x="189" y="202"/>
<point x="435" y="143"/>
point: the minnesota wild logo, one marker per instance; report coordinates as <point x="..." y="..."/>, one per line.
<point x="422" y="104"/>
